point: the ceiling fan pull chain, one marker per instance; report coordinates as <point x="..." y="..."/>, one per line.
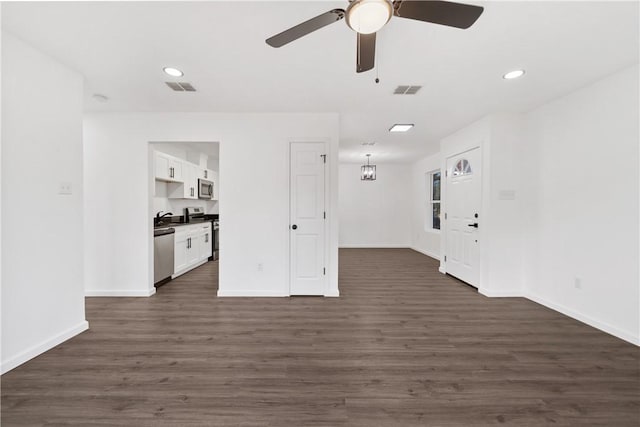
<point x="376" y="65"/>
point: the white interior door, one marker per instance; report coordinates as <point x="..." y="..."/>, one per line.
<point x="307" y="225"/>
<point x="462" y="211"/>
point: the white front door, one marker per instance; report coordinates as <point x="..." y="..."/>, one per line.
<point x="307" y="223"/>
<point x="462" y="216"/>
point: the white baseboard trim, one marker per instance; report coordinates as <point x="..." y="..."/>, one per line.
<point x="37" y="350"/>
<point x="427" y="253"/>
<point x="256" y="293"/>
<point x="501" y="294"/>
<point x="262" y="294"/>
<point x="119" y="293"/>
<point x="603" y="326"/>
<point x="442" y="270"/>
<point x="375" y="246"/>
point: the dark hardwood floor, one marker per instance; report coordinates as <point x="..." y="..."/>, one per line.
<point x="403" y="346"/>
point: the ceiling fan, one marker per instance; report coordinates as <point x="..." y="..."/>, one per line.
<point x="365" y="17"/>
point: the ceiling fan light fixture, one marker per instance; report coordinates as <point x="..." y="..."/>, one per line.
<point x="368" y="16"/>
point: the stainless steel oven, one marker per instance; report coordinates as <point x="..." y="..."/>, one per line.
<point x="205" y="189"/>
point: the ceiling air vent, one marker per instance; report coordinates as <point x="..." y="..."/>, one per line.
<point x="407" y="90"/>
<point x="181" y="86"/>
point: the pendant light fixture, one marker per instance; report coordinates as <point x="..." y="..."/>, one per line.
<point x="368" y="172"/>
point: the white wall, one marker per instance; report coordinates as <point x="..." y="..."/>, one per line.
<point x="254" y="165"/>
<point x="569" y="236"/>
<point x="584" y="219"/>
<point x="423" y="238"/>
<point x="500" y="139"/>
<point x="42" y="239"/>
<point x="375" y="213"/>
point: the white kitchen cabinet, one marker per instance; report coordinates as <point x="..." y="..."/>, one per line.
<point x="216" y="184"/>
<point x="168" y="168"/>
<point x="188" y="189"/>
<point x="206" y="174"/>
<point x="181" y="248"/>
<point x="192" y="247"/>
<point x="204" y="238"/>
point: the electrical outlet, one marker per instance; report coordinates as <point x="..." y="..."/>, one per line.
<point x="65" y="188"/>
<point x="260" y="266"/>
<point x="577" y="283"/>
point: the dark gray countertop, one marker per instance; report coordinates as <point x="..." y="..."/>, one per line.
<point x="180" y="224"/>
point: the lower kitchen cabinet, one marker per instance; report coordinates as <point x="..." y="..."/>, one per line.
<point x="180" y="252"/>
<point x="205" y="244"/>
<point x="192" y="247"/>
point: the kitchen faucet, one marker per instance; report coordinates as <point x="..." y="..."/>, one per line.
<point x="159" y="217"/>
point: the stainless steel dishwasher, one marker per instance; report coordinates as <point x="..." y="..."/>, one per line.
<point x="163" y="244"/>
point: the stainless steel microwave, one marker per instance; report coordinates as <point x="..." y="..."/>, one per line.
<point x="205" y="189"/>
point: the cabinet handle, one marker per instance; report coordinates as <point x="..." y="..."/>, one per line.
<point x="205" y="174"/>
<point x="170" y="172"/>
<point x="206" y="238"/>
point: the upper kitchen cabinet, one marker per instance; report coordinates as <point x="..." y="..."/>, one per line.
<point x="206" y="174"/>
<point x="216" y="184"/>
<point x="188" y="189"/>
<point x="168" y="168"/>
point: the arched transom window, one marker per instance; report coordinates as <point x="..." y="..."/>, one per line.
<point x="463" y="167"/>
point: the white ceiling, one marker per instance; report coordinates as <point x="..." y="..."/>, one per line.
<point x="121" y="48"/>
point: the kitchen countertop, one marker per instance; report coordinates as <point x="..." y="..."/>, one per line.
<point x="180" y="224"/>
<point x="178" y="221"/>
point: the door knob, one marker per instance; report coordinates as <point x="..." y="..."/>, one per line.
<point x="474" y="225"/>
<point x="294" y="227"/>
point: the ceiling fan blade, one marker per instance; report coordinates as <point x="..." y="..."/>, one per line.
<point x="438" y="12"/>
<point x="300" y="30"/>
<point x="366" y="52"/>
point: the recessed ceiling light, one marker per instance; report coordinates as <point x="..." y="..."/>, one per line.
<point x="513" y="74"/>
<point x="400" y="127"/>
<point x="173" y="72"/>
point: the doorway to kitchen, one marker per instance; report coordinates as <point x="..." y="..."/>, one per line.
<point x="184" y="189"/>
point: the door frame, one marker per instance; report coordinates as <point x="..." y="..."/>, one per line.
<point x="151" y="144"/>
<point x="327" y="208"/>
<point x="482" y="209"/>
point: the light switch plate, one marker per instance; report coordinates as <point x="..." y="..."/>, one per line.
<point x="65" y="188"/>
<point x="507" y="195"/>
